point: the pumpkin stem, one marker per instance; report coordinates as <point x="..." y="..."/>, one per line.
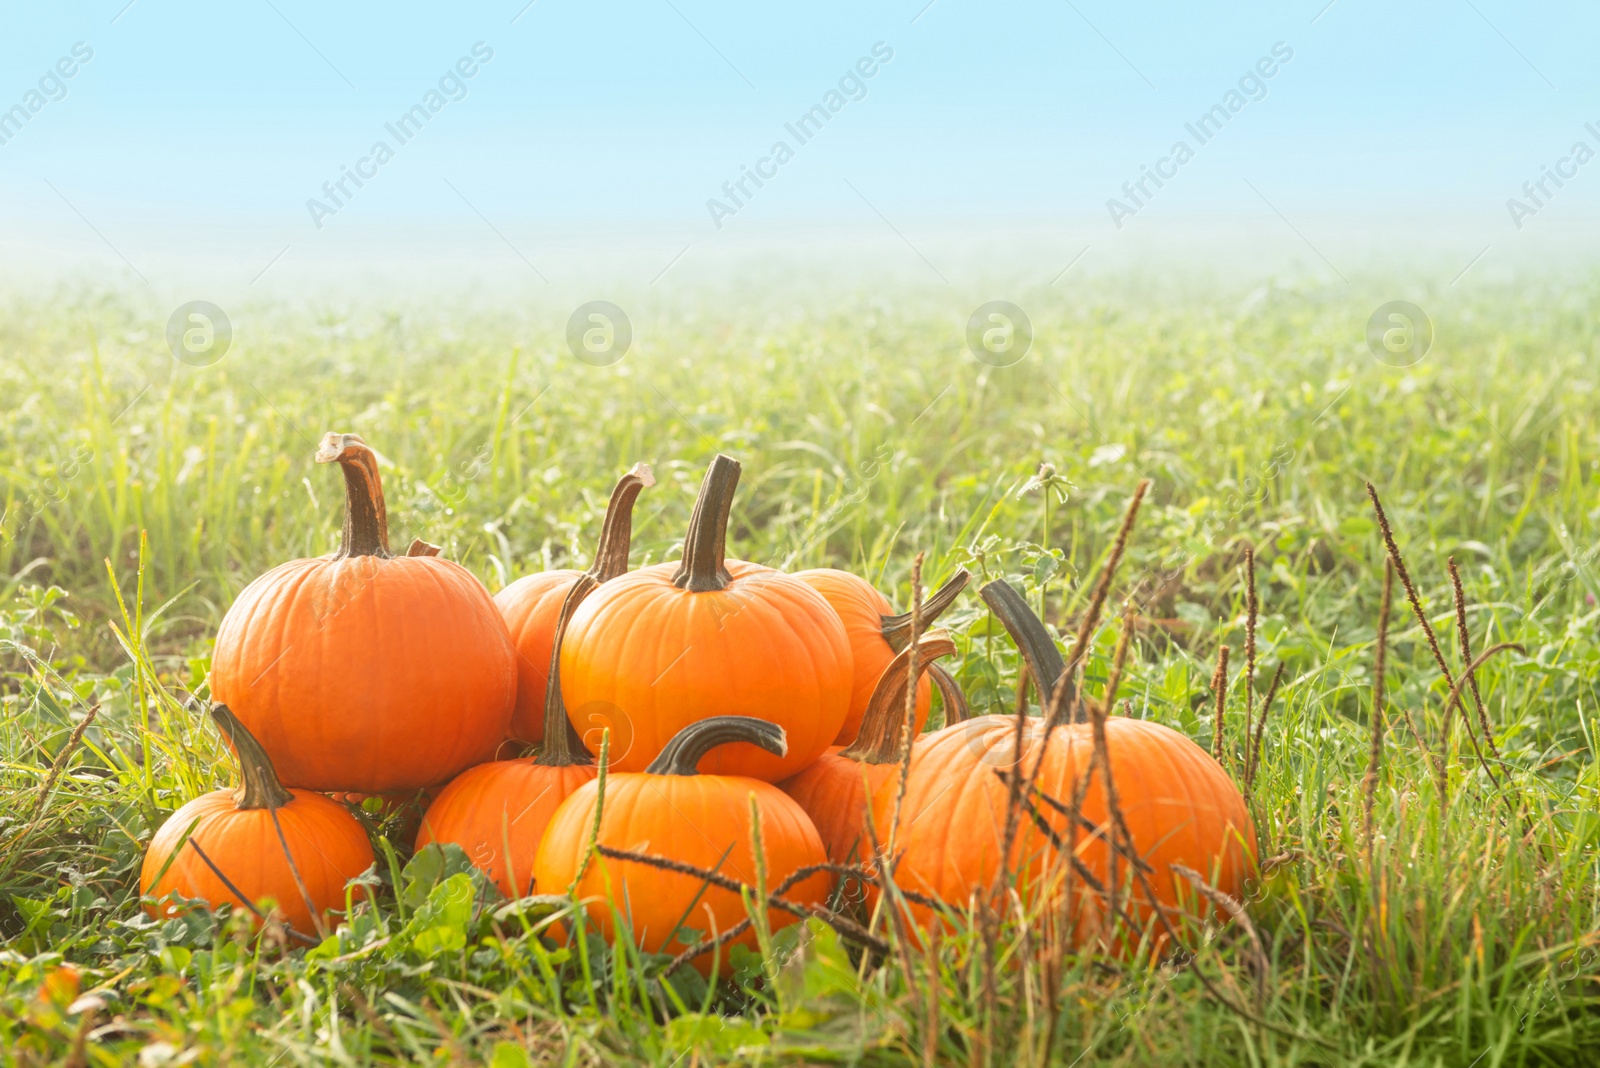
<point x="366" y="523"/>
<point x="897" y="629"/>
<point x="616" y="534"/>
<point x="706" y="545"/>
<point x="1033" y="640"/>
<point x="260" y="787"/>
<point x="422" y="548"/>
<point x="690" y="745"/>
<point x="878" y="741"/>
<point x="563" y="748"/>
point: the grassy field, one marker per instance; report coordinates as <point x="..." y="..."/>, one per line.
<point x="142" y="494"/>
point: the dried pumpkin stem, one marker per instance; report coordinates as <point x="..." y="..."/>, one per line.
<point x="1039" y="653"/>
<point x="562" y="746"/>
<point x="897" y="629"/>
<point x="690" y="745"/>
<point x="616" y="534"/>
<point x="705" y="545"/>
<point x="366" y="521"/>
<point x="879" y="739"/>
<point x="260" y="786"/>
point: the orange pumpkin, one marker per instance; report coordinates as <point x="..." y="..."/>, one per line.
<point x="532" y="604"/>
<point x="365" y="671"/>
<point x="1179" y="805"/>
<point x="660" y="648"/>
<point x="259" y="842"/>
<point x="703" y="820"/>
<point x="876" y="635"/>
<point x="834" y="790"/>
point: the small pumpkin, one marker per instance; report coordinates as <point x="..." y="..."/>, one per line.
<point x="532" y="604"/>
<point x="877" y="635"/>
<point x="364" y="671"/>
<point x="662" y="647"/>
<point x="260" y="841"/>
<point x="1179" y="805"/>
<point x="703" y="820"/>
<point x="497" y="813"/>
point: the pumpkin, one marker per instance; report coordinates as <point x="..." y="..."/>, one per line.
<point x="532" y="604"/>
<point x="497" y="812"/>
<point x="665" y="646"/>
<point x="364" y="671"/>
<point x="258" y="842"/>
<point x="698" y="819"/>
<point x="1179" y="805"/>
<point x="876" y="635"/>
<point x="834" y="790"/>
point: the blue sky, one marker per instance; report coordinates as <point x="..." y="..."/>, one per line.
<point x="211" y="126"/>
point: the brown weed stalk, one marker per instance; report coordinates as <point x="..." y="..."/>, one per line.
<point x="1369" y="782"/>
<point x="1253" y="761"/>
<point x="1219" y="690"/>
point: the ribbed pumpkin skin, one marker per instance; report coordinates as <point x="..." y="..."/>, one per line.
<point x="834" y="794"/>
<point x="328" y="845"/>
<point x="488" y="805"/>
<point x="1179" y="804"/>
<point x="646" y="659"/>
<point x="531" y="607"/>
<point x="688" y="818"/>
<point x="367" y="674"/>
<point x="861" y="608"/>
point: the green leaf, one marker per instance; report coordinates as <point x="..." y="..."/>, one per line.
<point x="433" y="864"/>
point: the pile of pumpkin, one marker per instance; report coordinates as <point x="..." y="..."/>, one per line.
<point x="735" y="708"/>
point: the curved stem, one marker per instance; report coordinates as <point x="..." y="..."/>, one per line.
<point x="955" y="702"/>
<point x="616" y="534"/>
<point x="878" y="741"/>
<point x="1033" y="641"/>
<point x="562" y="746"/>
<point x="705" y="545"/>
<point x="260" y="787"/>
<point x="897" y="629"/>
<point x="690" y="745"/>
<point x="419" y="547"/>
<point x="366" y="523"/>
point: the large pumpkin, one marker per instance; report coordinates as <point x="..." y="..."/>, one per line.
<point x="532" y="604"/>
<point x="877" y="634"/>
<point x="363" y="670"/>
<point x="660" y="648"/>
<point x="698" y="819"/>
<point x="1180" y="806"/>
<point x="834" y="790"/>
<point x="258" y="842"/>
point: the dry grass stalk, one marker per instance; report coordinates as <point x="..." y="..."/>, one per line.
<point x="1369" y="783"/>
<point x="1440" y="768"/>
<point x="1252" y="609"/>
<point x="1236" y="911"/>
<point x="1219" y="689"/>
<point x="908" y="729"/>
<point x="1440" y="763"/>
<point x="1253" y="763"/>
<point x="1464" y="636"/>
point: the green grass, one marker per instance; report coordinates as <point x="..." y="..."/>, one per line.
<point x="867" y="434"/>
